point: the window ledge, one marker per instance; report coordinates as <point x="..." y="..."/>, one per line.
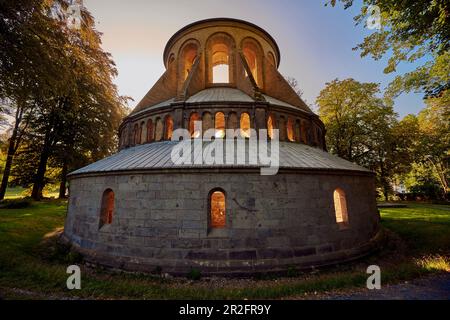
<point x="218" y="233"/>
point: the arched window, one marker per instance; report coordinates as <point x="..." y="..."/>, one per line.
<point x="220" y="125"/>
<point x="194" y="117"/>
<point x="290" y="130"/>
<point x="149" y="130"/>
<point x="340" y="207"/>
<point x="270" y="126"/>
<point x="168" y="128"/>
<point x="271" y="58"/>
<point x="188" y="58"/>
<point x="107" y="208"/>
<point x="282" y="128"/>
<point x="159" y="130"/>
<point x="219" y="58"/>
<point x="245" y="125"/>
<point x="233" y="121"/>
<point x="136" y="134"/>
<point x="217" y="209"/>
<point x="297" y="131"/>
<point x="207" y="122"/>
<point x="253" y="55"/>
<point x="142" y="133"/>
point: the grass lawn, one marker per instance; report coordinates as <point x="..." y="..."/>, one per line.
<point x="33" y="266"/>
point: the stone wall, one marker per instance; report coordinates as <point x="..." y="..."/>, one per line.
<point x="161" y="219"/>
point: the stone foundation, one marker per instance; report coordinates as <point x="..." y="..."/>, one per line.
<point x="272" y="222"/>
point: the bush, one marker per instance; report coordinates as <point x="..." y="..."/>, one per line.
<point x="15" y="203"/>
<point x="194" y="274"/>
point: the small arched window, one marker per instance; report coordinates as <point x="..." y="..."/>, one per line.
<point x="220" y="125"/>
<point x="136" y="134"/>
<point x="142" y="133"/>
<point x="159" y="130"/>
<point x="270" y="126"/>
<point x="245" y="125"/>
<point x="195" y="132"/>
<point x="340" y="208"/>
<point x="207" y="122"/>
<point x="107" y="208"/>
<point x="168" y="125"/>
<point x="297" y="131"/>
<point x="217" y="208"/>
<point x="290" y="130"/>
<point x="149" y="130"/>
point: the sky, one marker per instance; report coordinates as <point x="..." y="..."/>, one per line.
<point x="315" y="41"/>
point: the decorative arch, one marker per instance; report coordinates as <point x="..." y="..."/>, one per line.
<point x="149" y="130"/>
<point x="290" y="130"/>
<point x="168" y="127"/>
<point x="270" y="125"/>
<point x="220" y="48"/>
<point x="207" y="121"/>
<point x="142" y="132"/>
<point x="217" y="209"/>
<point x="252" y="51"/>
<point x="136" y="134"/>
<point x="297" y="131"/>
<point x="233" y="121"/>
<point x="245" y="125"/>
<point x="271" y="59"/>
<point x="340" y="207"/>
<point x="107" y="208"/>
<point x="187" y="55"/>
<point x="194" y="117"/>
<point x="159" y="130"/>
<point x="219" y="124"/>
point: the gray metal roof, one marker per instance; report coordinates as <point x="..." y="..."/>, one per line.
<point x="157" y="155"/>
<point x="220" y="94"/>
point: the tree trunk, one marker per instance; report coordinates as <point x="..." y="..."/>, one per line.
<point x="39" y="179"/>
<point x="62" y="185"/>
<point x="6" y="174"/>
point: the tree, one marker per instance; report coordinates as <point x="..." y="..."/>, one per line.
<point x="363" y="129"/>
<point x="411" y="31"/>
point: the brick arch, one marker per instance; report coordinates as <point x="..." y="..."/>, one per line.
<point x="253" y="53"/>
<point x="186" y="57"/>
<point x="220" y="41"/>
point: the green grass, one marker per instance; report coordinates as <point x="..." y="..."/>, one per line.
<point x="50" y="191"/>
<point x="32" y="261"/>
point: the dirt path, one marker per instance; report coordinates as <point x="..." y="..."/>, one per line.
<point x="430" y="288"/>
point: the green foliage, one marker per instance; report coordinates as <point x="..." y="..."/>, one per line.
<point x="411" y="31"/>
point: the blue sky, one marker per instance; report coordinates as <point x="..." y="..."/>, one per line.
<point x="315" y="41"/>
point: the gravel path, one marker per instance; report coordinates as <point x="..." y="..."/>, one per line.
<point x="430" y="288"/>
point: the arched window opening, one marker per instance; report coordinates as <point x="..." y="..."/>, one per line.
<point x="220" y="63"/>
<point x="290" y="130"/>
<point x="252" y="55"/>
<point x="168" y="128"/>
<point x="107" y="208"/>
<point x="142" y="133"/>
<point x="159" y="130"/>
<point x="340" y="207"/>
<point x="220" y="125"/>
<point x="207" y="122"/>
<point x="270" y="126"/>
<point x="189" y="55"/>
<point x="192" y="119"/>
<point x="297" y="131"/>
<point x="245" y="125"/>
<point x="233" y="121"/>
<point x="149" y="130"/>
<point x="217" y="214"/>
<point x="136" y="134"/>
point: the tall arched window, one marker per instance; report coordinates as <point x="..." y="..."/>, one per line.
<point x="159" y="130"/>
<point x="149" y="130"/>
<point x="270" y="126"/>
<point x="290" y="130"/>
<point x="188" y="58"/>
<point x="217" y="209"/>
<point x="107" y="208"/>
<point x="168" y="128"/>
<point x="253" y="56"/>
<point x="219" y="58"/>
<point x="194" y="117"/>
<point x="142" y="133"/>
<point x="297" y="131"/>
<point x="340" y="207"/>
<point x="220" y="125"/>
<point x="245" y="125"/>
<point x="207" y="122"/>
<point x="233" y="121"/>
